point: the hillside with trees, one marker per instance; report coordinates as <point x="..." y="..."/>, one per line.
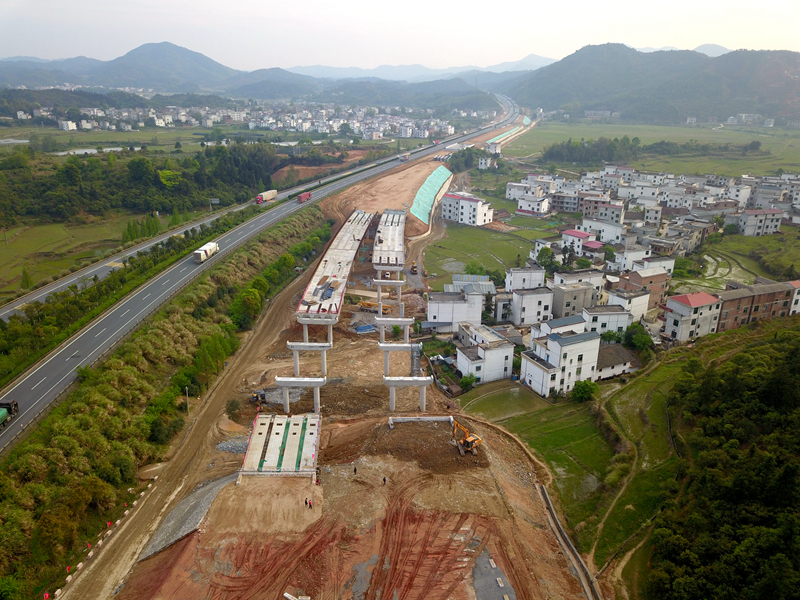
<point x="733" y="531"/>
<point x="666" y="86"/>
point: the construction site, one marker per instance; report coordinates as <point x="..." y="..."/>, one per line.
<point x="346" y="473"/>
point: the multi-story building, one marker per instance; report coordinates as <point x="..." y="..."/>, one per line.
<point x="691" y="316"/>
<point x="531" y="306"/>
<point x="592" y="276"/>
<point x="608" y="317"/>
<point x="447" y="309"/>
<point x="484" y="353"/>
<point x="635" y="302"/>
<point x="743" y="304"/>
<point x="654" y="280"/>
<point x="571" y="299"/>
<point x="556" y="362"/>
<point x="466" y="209"/>
<point x="760" y="221"/>
<point x="525" y="278"/>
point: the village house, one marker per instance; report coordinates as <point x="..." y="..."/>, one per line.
<point x="555" y="363"/>
<point x="483" y="353"/>
<point x="691" y="316"/>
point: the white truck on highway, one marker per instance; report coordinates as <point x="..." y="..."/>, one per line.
<point x="266" y="196"/>
<point x="206" y="251"/>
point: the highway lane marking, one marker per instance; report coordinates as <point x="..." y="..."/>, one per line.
<point x="101" y="331"/>
<point x="34" y="387"/>
<point x="183" y="269"/>
<point x="73" y="355"/>
<point x="125" y="313"/>
<point x="146" y="297"/>
<point x="166" y="282"/>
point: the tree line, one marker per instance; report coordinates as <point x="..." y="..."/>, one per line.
<point x="734" y="531"/>
<point x="624" y="149"/>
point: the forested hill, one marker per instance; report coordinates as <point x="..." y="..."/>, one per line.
<point x="41" y="188"/>
<point x="667" y="86"/>
<point x="26" y="100"/>
<point x="734" y="531"/>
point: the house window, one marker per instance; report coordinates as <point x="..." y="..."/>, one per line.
<point x="478" y="368"/>
<point x="619" y="329"/>
<point x="744" y="310"/>
<point x="694" y="321"/>
<point x="506" y="358"/>
<point x="567" y="305"/>
<point x="563" y="369"/>
<point x="565" y="356"/>
<point x="725" y="314"/>
<point x="694" y="311"/>
<point x="594" y="329"/>
<point x="547" y="306"/>
<point x="580" y="357"/>
<point x="755" y="309"/>
<point x="552" y="377"/>
<point x="594" y="319"/>
<point x="578" y="371"/>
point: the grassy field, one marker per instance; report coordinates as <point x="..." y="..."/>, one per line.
<point x="492" y="249"/>
<point x="48" y="250"/>
<point x="501" y="400"/>
<point x="568" y="439"/>
<point x="784" y="145"/>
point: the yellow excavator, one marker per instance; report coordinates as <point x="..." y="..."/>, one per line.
<point x="469" y="441"/>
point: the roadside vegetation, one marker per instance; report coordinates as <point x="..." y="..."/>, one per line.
<point x="61" y="484"/>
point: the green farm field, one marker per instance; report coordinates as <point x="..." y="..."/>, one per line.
<point x="784" y="145"/>
<point x="51" y="249"/>
<point x="492" y="249"/>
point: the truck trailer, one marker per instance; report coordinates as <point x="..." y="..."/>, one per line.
<point x="8" y="410"/>
<point x="266" y="196"/>
<point x="206" y="251"/>
<point x="304" y="197"/>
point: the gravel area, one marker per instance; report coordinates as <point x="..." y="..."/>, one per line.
<point x="484" y="580"/>
<point x="237" y="445"/>
<point x="186" y="516"/>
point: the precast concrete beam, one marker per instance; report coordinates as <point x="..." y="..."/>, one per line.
<point x="309" y="346"/>
<point x="388" y="347"/>
<point x="389" y="321"/>
<point x="318" y="319"/>
<point x="407" y="381"/>
<point x="396" y="282"/>
<point x="300" y="382"/>
<point x="388" y="267"/>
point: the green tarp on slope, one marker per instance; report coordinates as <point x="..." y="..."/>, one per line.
<point x="426" y="194"/>
<point x="526" y="121"/>
<point x="503" y="135"/>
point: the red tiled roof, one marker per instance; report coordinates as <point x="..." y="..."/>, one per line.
<point x="764" y="211"/>
<point x="696" y="299"/>
<point x="592" y="245"/>
<point x="794" y="284"/>
<point x="575" y="233"/>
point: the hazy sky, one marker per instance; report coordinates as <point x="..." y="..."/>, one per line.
<point x="251" y="34"/>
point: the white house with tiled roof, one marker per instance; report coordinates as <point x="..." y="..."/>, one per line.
<point x="691" y="316"/>
<point x="575" y="238"/>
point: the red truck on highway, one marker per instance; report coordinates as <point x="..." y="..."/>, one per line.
<point x="304" y="197"/>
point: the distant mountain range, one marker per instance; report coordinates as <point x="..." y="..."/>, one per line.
<point x="712" y="50"/>
<point x="652" y="86"/>
<point x="418" y="73"/>
<point x="665" y="87"/>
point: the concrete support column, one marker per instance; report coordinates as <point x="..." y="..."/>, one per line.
<point x="316" y="396"/>
<point x="422" y="389"/>
<point x="392" y="397"/>
<point x="330" y="335"/>
<point x="305" y="333"/>
<point x="406" y="330"/>
<point x="286" y="400"/>
<point x="379" y="289"/>
<point x="383" y="333"/>
<point x="296" y="354"/>
<point x="324" y="364"/>
<point x="386" y="363"/>
<point x="400" y="300"/>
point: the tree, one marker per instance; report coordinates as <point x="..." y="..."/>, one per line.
<point x="467" y="382"/>
<point x="27" y="282"/>
<point x="730" y="229"/>
<point x="611" y="336"/>
<point x="546" y="259"/>
<point x="345" y="129"/>
<point x="609" y="252"/>
<point x="637" y="338"/>
<point x="251" y="302"/>
<point x="583" y="263"/>
<point x="473" y="267"/>
<point x="178" y="145"/>
<point x="397" y="331"/>
<point x="584" y="390"/>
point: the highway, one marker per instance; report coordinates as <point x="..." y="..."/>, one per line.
<point x="41" y="385"/>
